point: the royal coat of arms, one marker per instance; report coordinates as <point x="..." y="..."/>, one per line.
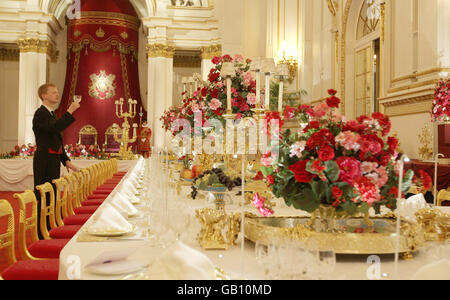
<point x="102" y="86"/>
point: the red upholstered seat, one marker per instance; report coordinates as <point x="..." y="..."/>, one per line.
<point x="120" y="174"/>
<point x="79" y="219"/>
<point x="86" y="209"/>
<point x="47" y="248"/>
<point x="94" y="202"/>
<point x="64" y="232"/>
<point x="103" y="192"/>
<point x="113" y="180"/>
<point x="94" y="197"/>
<point x="33" y="270"/>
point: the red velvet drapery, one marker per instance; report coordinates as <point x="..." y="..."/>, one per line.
<point x="102" y="65"/>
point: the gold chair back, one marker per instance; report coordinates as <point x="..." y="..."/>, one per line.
<point x="81" y="194"/>
<point x="442" y="196"/>
<point x="47" y="208"/>
<point x="61" y="200"/>
<point x="7" y="237"/>
<point x="88" y="131"/>
<point x="72" y="194"/>
<point x="27" y="224"/>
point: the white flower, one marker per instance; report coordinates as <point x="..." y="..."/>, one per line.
<point x="297" y="149"/>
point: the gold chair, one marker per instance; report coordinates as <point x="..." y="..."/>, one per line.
<point x="111" y="145"/>
<point x="88" y="135"/>
<point x="48" y="209"/>
<point x="7" y="238"/>
<point x="30" y="267"/>
<point x="61" y="200"/>
<point x="27" y="198"/>
<point x="443" y="195"/>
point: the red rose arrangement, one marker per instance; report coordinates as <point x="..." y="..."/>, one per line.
<point x="211" y="99"/>
<point x="441" y="103"/>
<point x="351" y="166"/>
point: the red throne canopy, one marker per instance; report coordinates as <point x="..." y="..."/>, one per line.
<point x="102" y="65"/>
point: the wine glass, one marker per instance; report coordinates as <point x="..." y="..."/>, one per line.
<point x="77" y="98"/>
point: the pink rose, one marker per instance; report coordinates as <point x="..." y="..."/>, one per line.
<point x="350" y="168"/>
<point x="251" y="99"/>
<point x="215" y="104"/>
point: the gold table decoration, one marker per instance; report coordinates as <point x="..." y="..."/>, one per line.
<point x="435" y="223"/>
<point x="214" y="223"/>
<point x="288" y="229"/>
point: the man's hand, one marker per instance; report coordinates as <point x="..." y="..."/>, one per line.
<point x="70" y="166"/>
<point x="73" y="107"/>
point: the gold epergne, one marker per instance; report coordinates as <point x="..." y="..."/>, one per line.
<point x="125" y="151"/>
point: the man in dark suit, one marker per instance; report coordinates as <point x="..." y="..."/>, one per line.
<point x="47" y="129"/>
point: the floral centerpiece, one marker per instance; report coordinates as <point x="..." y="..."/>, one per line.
<point x="86" y="151"/>
<point x="347" y="166"/>
<point x="23" y="151"/>
<point x="441" y="103"/>
<point x="211" y="99"/>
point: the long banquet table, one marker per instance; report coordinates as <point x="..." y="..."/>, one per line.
<point x="80" y="252"/>
<point x="17" y="174"/>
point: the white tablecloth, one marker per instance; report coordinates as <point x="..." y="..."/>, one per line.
<point x="76" y="255"/>
<point x="16" y="175"/>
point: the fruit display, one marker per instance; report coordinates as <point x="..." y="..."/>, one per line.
<point x="214" y="178"/>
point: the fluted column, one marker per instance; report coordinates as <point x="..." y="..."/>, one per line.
<point x="208" y="53"/>
<point x="160" y="74"/>
<point x="32" y="74"/>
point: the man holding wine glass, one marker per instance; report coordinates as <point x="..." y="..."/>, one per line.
<point x="47" y="129"/>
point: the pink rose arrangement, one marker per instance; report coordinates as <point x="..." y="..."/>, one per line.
<point x="350" y="166"/>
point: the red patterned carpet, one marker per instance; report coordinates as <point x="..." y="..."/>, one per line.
<point x="4" y="223"/>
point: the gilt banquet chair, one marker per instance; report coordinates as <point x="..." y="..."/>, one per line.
<point x="48" y="210"/>
<point x="27" y="268"/>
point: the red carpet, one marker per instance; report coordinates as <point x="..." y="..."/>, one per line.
<point x="4" y="223"/>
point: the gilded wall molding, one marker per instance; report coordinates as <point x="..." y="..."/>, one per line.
<point x="36" y="45"/>
<point x="160" y="50"/>
<point x="9" y="54"/>
<point x="408" y="106"/>
<point x="332" y="6"/>
<point x="210" y="52"/>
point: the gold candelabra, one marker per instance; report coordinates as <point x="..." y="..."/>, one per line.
<point x="125" y="151"/>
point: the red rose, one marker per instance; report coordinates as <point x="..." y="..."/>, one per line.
<point x="426" y="180"/>
<point x="300" y="173"/>
<point x="326" y="153"/>
<point x="337" y="192"/>
<point x="215" y="93"/>
<point x="227" y="58"/>
<point x="393" y="191"/>
<point x="289" y="112"/>
<point x="204" y="92"/>
<point x="349" y="168"/>
<point x="333" y="101"/>
<point x="321" y="138"/>
<point x="371" y="143"/>
<point x="312" y="125"/>
<point x="270" y="179"/>
<point x="332" y="92"/>
<point x="353" y="126"/>
<point x="213" y="77"/>
<point x="393" y="144"/>
<point x="216" y="60"/>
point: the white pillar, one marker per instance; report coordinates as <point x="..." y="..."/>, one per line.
<point x="160" y="85"/>
<point x="32" y="74"/>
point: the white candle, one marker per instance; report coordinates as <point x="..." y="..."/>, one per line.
<point x="229" y="110"/>
<point x="399" y="198"/>
<point x="243" y="217"/>
<point x="436" y="160"/>
<point x="280" y="97"/>
<point x="267" y="93"/>
<point x="258" y="89"/>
